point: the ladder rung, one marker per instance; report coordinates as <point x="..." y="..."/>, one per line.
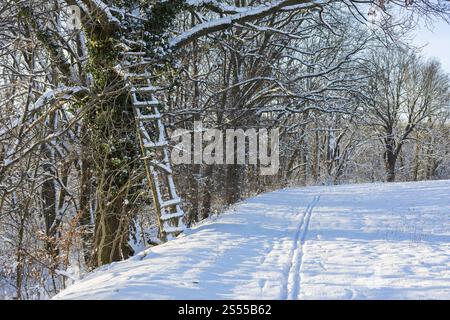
<point x="149" y="117"/>
<point x="178" y="214"/>
<point x="139" y="64"/>
<point x="131" y="53"/>
<point x="138" y="75"/>
<point x="145" y="103"/>
<point x="155" y="145"/>
<point x="144" y="89"/>
<point x="169" y="229"/>
<point x="139" y="83"/>
<point x="168" y="203"/>
<point x="162" y="164"/>
<point x="163" y="167"/>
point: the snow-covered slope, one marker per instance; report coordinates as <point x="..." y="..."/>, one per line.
<point x="370" y="241"/>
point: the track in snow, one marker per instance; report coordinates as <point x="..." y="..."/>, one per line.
<point x="293" y="279"/>
<point x="370" y="241"/>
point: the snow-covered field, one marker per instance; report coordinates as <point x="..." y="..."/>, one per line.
<point x="369" y="241"/>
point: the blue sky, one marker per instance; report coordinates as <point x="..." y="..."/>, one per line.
<point x="437" y="41"/>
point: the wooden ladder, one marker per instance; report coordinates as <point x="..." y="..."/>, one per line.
<point x="154" y="144"/>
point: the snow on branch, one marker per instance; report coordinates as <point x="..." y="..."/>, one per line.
<point x="17" y="151"/>
<point x="105" y="10"/>
<point x="61" y="93"/>
<point x="216" y="6"/>
<point x="244" y="15"/>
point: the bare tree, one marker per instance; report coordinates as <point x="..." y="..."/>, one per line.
<point x="404" y="92"/>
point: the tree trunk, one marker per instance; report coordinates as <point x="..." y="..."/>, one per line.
<point x="390" y="158"/>
<point x="85" y="218"/>
<point x="232" y="186"/>
<point x="115" y="156"/>
<point x="315" y="158"/>
<point x="208" y="191"/>
<point x="48" y="194"/>
<point x="194" y="181"/>
<point x="416" y="160"/>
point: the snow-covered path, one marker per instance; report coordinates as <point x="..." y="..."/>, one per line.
<point x="370" y="241"/>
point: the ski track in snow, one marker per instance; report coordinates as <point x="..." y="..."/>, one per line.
<point x="294" y="277"/>
<point x="368" y="241"/>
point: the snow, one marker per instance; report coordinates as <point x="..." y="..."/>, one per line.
<point x="244" y="14"/>
<point x="107" y="11"/>
<point x="369" y="241"/>
<point x="221" y="6"/>
<point x="61" y="92"/>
